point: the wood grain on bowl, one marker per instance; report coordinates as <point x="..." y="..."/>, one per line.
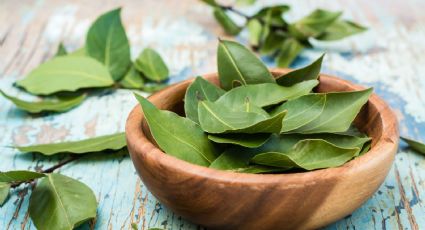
<point x="225" y="200"/>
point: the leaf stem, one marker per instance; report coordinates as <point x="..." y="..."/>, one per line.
<point x="49" y="170"/>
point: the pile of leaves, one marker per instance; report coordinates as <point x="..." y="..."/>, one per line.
<point x="103" y="62"/>
<point x="256" y="123"/>
<point x="271" y="34"/>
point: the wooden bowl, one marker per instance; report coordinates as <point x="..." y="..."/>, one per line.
<point x="226" y="200"/>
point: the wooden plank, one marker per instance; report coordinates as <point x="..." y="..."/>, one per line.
<point x="389" y="57"/>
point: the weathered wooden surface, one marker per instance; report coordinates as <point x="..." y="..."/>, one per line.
<point x="388" y="57"/>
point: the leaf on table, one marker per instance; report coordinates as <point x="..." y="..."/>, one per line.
<point x="178" y="136"/>
<point x="309" y="155"/>
<point x="19" y="175"/>
<point x="341" y="29"/>
<point x="215" y="118"/>
<point x="313" y="24"/>
<point x="108" y="142"/>
<point x="288" y="52"/>
<point x="415" y="145"/>
<point x="4" y="192"/>
<point x="265" y="94"/>
<point x="227" y="23"/>
<point x="199" y="89"/>
<point x="66" y="73"/>
<point x="132" y="79"/>
<point x="151" y="64"/>
<point x="339" y="112"/>
<point x="61" y="104"/>
<point x="310" y="72"/>
<point x="107" y="42"/>
<point x="60" y="202"/>
<point x="241" y="139"/>
<point x="61" y="50"/>
<point x="300" y="111"/>
<point x="235" y="62"/>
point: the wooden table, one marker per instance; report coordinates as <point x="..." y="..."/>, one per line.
<point x="390" y="57"/>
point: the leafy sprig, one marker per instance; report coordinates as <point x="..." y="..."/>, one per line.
<point x="271" y="34"/>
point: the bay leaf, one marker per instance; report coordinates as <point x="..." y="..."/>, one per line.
<point x="272" y="42"/>
<point x="227" y="23"/>
<point x="107" y="42"/>
<point x="415" y="145"/>
<point x="241" y="139"/>
<point x="288" y="52"/>
<point x="235" y="62"/>
<point x="107" y="142"/>
<point x="4" y="192"/>
<point x="19" y="175"/>
<point x="339" y="112"/>
<point x="150" y="63"/>
<point x="151" y="87"/>
<point x="132" y="79"/>
<point x="215" y="118"/>
<point x="236" y="159"/>
<point x="265" y="94"/>
<point x="61" y="104"/>
<point x="62" y="203"/>
<point x="66" y="73"/>
<point x="61" y="50"/>
<point x="309" y="72"/>
<point x="255" y="29"/>
<point x="300" y="111"/>
<point x="340" y="29"/>
<point x="178" y="136"/>
<point x="313" y="24"/>
<point x="78" y="52"/>
<point x="210" y="2"/>
<point x="308" y="155"/>
<point x="199" y="89"/>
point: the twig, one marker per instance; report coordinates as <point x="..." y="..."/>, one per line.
<point x="49" y="170"/>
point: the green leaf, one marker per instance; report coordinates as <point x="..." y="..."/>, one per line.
<point x="313" y="24"/>
<point x="310" y="72"/>
<point x="178" y="136"/>
<point x="107" y="42"/>
<point x="341" y="29"/>
<point x="245" y="2"/>
<point x="61" y="50"/>
<point x="301" y="111"/>
<point x="288" y="52"/>
<point x="79" y="52"/>
<point x="233" y="159"/>
<point x="4" y="192"/>
<point x="19" y="175"/>
<point x="151" y="65"/>
<point x="200" y="89"/>
<point x="415" y="145"/>
<point x="235" y="62"/>
<point x="62" y="203"/>
<point x="229" y="26"/>
<point x="113" y="142"/>
<point x="60" y="105"/>
<point x="265" y="94"/>
<point x="132" y="79"/>
<point x="339" y="112"/>
<point x="210" y="2"/>
<point x="215" y="118"/>
<point x="255" y="29"/>
<point x="241" y="139"/>
<point x="308" y="155"/>
<point x="272" y="43"/>
<point x="237" y="160"/>
<point x="66" y="73"/>
<point x="153" y="87"/>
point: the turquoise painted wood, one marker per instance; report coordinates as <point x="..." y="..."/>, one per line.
<point x="388" y="57"/>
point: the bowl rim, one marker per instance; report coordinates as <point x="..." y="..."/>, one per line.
<point x="145" y="149"/>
